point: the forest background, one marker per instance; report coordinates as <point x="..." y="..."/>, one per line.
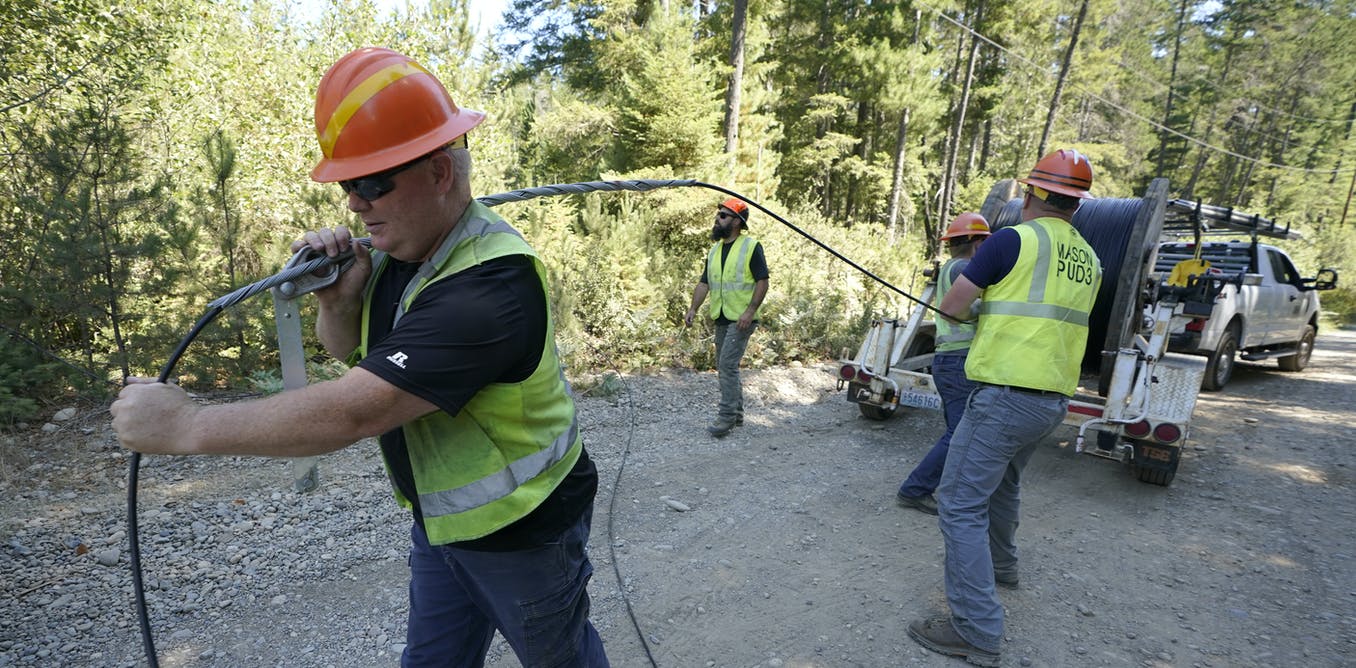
<point x="154" y="153"/>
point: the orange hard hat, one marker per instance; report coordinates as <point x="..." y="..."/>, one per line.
<point x="738" y="208"/>
<point x="376" y="109"/>
<point x="1065" y="171"/>
<point x="967" y="225"/>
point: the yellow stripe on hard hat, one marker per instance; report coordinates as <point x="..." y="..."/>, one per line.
<point x="359" y="96"/>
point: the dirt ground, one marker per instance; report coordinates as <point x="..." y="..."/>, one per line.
<point x="781" y="544"/>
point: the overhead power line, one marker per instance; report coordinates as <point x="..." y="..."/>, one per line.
<point x="1129" y="112"/>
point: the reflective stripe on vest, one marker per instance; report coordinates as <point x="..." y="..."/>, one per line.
<point x="498" y="485"/>
<point x="731" y="285"/>
<point x="951" y="336"/>
<point x="1033" y="325"/>
<point x="511" y="444"/>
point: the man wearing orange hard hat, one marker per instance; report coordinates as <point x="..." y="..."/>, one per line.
<point x="1039" y="280"/>
<point x="963" y="237"/>
<point x="735" y="275"/>
<point x="447" y="327"/>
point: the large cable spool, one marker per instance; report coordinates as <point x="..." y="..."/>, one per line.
<point x="1124" y="235"/>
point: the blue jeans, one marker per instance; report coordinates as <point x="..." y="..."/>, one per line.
<point x="978" y="500"/>
<point x="948" y="374"/>
<point x="536" y="598"/>
<point x="730" y="346"/>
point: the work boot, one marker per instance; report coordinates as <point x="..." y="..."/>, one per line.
<point x="938" y="635"/>
<point x="721" y="426"/>
<point x="1006" y="580"/>
<point x="739" y="420"/>
<point x="925" y="503"/>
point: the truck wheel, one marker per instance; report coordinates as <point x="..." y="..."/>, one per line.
<point x="1303" y="350"/>
<point x="1155" y="476"/>
<point x="1220" y="368"/>
<point x="874" y="412"/>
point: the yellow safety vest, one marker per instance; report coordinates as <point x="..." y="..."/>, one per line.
<point x="951" y="336"/>
<point x="1033" y="324"/>
<point x="731" y="285"/>
<point x="509" y="447"/>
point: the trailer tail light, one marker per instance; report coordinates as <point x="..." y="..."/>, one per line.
<point x="1196" y="325"/>
<point x="1167" y="433"/>
<point x="864" y="377"/>
<point x="1138" y="430"/>
<point x="847" y="371"/>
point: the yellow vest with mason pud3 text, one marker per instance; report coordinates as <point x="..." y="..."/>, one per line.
<point x="731" y="285"/>
<point x="1033" y="324"/>
<point x="509" y="447"/>
<point x="951" y="336"/>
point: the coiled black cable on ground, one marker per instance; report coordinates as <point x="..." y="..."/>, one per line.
<point x="216" y="307"/>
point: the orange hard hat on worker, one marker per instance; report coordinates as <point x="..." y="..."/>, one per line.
<point x="968" y="224"/>
<point x="738" y="208"/>
<point x="376" y="109"/>
<point x="1065" y="171"/>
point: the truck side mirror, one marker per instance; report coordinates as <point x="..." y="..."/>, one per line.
<point x="1326" y="279"/>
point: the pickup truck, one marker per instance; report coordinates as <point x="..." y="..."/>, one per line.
<point x="1263" y="310"/>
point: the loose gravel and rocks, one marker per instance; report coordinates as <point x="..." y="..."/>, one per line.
<point x="779" y="545"/>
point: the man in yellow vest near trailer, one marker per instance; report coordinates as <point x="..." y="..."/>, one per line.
<point x="963" y="237"/>
<point x="1039" y="280"/>
<point x="735" y="276"/>
<point x="447" y="326"/>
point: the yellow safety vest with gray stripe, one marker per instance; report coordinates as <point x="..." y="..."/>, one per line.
<point x="1033" y="324"/>
<point x="951" y="336"/>
<point x="732" y="285"/>
<point x="509" y="447"/>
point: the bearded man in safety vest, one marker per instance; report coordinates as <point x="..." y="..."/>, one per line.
<point x="448" y="329"/>
<point x="735" y="276"/>
<point x="1039" y="280"/>
<point x="963" y="237"/>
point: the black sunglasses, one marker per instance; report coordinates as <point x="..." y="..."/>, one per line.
<point x="375" y="186"/>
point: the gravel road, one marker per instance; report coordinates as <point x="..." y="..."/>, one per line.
<point x="779" y="545"/>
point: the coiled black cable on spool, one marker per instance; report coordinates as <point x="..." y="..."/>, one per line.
<point x="1108" y="225"/>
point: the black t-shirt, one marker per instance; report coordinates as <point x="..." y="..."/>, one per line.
<point x="484" y="325"/>
<point x="757" y="267"/>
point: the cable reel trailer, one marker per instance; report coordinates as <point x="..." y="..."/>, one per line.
<point x="1134" y="396"/>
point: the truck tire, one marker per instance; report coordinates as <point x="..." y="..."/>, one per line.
<point x="1155" y="476"/>
<point x="1303" y="350"/>
<point x="874" y="412"/>
<point x="1220" y="367"/>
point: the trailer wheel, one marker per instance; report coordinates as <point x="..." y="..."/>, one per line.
<point x="1155" y="464"/>
<point x="874" y="412"/>
<point x="1155" y="476"/>
<point x="1220" y="368"/>
<point x="1303" y="350"/>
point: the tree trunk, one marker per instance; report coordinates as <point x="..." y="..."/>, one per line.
<point x="984" y="147"/>
<point x="948" y="171"/>
<point x="1063" y="76"/>
<point x="1203" y="153"/>
<point x="1163" y="136"/>
<point x="897" y="179"/>
<point x="732" y="94"/>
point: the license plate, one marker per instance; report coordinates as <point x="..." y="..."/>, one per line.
<point x="920" y="400"/>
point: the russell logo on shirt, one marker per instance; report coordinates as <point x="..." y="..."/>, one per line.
<point x="398" y="359"/>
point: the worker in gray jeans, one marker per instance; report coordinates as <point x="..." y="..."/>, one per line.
<point x="735" y="276"/>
